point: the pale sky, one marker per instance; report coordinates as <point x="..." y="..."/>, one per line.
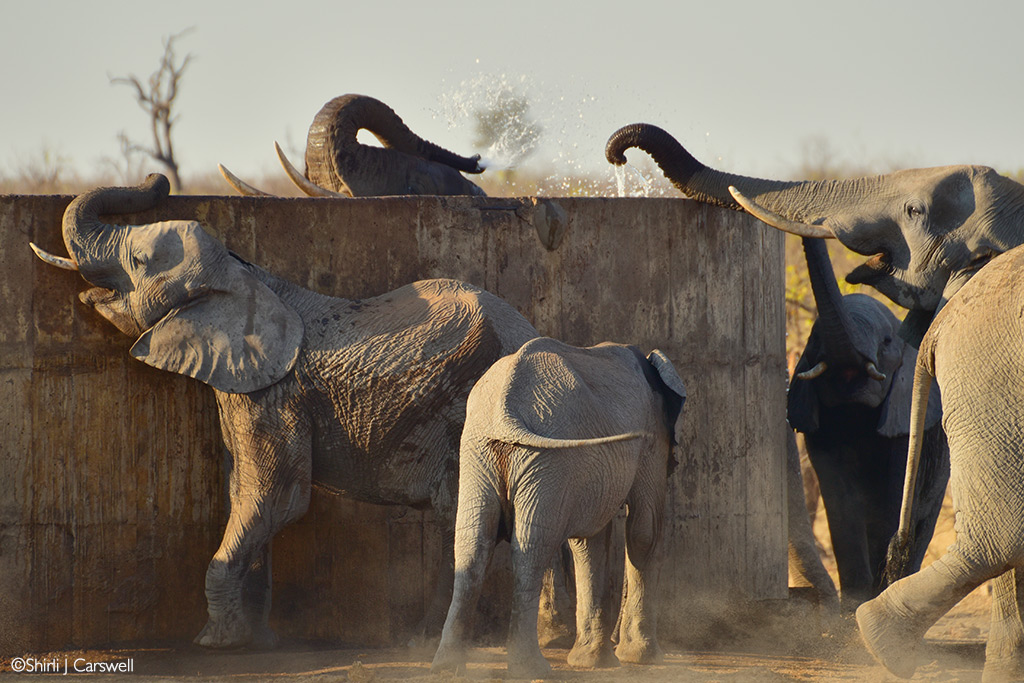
<point x="742" y="84"/>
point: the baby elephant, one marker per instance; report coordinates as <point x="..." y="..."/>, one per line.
<point x="557" y="438"/>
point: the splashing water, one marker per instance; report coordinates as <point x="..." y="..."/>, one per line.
<point x="498" y="111"/>
<point x="620" y="181"/>
<point x="539" y="139"/>
<point x="642" y="187"/>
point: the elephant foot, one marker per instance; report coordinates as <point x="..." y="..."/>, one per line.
<point x="552" y="631"/>
<point x="531" y="666"/>
<point x="1004" y="660"/>
<point x="226" y="633"/>
<point x="636" y="651"/>
<point x="592" y="657"/>
<point x="449" y="658"/>
<point x="884" y="636"/>
<point x="999" y="673"/>
<point x="1004" y="653"/>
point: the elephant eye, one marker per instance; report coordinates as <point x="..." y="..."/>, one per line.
<point x="915" y="209"/>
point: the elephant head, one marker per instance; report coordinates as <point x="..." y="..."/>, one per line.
<point x="338" y="165"/>
<point x="196" y="308"/>
<point x="927" y="231"/>
<point x="853" y="356"/>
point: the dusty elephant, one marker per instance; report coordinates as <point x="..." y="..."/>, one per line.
<point x="338" y="165"/>
<point x="854" y="416"/>
<point x="926" y="230"/>
<point x="850" y="396"/>
<point x="973" y="350"/>
<point x="557" y="438"/>
<point x="365" y="398"/>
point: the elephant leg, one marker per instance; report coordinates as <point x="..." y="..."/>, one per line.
<point x="256" y="585"/>
<point x="443" y="503"/>
<point x="533" y="546"/>
<point x="638" y="618"/>
<point x="263" y="500"/>
<point x="805" y="566"/>
<point x="556" y="625"/>
<point x="475" y="534"/>
<point x="592" y="648"/>
<point x="893" y="624"/>
<point x="845" y="512"/>
<point x="1004" y="653"/>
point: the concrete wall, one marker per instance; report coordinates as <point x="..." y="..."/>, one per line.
<point x="111" y="473"/>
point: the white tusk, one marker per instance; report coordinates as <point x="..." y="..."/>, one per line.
<point x="59" y="261"/>
<point x="240" y="185"/>
<point x="304" y="184"/>
<point x="777" y="221"/>
<point x="816" y="371"/>
<point x="873" y="372"/>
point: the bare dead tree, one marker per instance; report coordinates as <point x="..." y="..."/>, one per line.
<point x="156" y="97"/>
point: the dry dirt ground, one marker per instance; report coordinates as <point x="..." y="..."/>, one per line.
<point x="785" y="651"/>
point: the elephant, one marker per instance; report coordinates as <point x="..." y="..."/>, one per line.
<point x="973" y="351"/>
<point x="338" y="165"/>
<point x="850" y="397"/>
<point x="806" y="570"/>
<point x="365" y="398"/>
<point x="927" y="230"/>
<point x="557" y="438"/>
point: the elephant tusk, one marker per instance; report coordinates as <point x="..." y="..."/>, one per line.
<point x="777" y="221"/>
<point x="874" y="373"/>
<point x="59" y="261"/>
<point x="240" y="185"/>
<point x="817" y="371"/>
<point x="304" y="184"/>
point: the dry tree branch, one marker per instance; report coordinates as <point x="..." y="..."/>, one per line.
<point x="156" y="98"/>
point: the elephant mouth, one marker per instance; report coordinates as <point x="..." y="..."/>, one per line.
<point x="872" y="270"/>
<point x="851" y="384"/>
<point x="98" y="296"/>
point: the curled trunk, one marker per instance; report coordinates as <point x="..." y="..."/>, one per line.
<point x="803" y="201"/>
<point x="337" y="161"/>
<point x="88" y="240"/>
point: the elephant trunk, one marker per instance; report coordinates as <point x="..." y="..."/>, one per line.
<point x="333" y="152"/>
<point x="834" y="320"/>
<point x="799" y="201"/>
<point x="88" y="240"/>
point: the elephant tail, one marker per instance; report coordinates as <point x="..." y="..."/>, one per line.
<point x="518" y="435"/>
<point x="898" y="556"/>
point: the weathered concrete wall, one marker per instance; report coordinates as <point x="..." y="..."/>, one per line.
<point x="111" y="478"/>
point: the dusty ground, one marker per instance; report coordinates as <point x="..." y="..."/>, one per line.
<point x="954" y="651"/>
<point x="948" y="660"/>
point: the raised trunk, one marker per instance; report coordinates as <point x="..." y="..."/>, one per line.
<point x="803" y="201"/>
<point x="88" y="240"/>
<point x="834" y="321"/>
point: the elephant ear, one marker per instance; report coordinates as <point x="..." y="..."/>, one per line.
<point x="895" y="417"/>
<point x="802" y="400"/>
<point x="238" y="337"/>
<point x="669" y="385"/>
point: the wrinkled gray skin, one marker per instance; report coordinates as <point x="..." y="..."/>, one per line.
<point x="365" y="398"/>
<point x="855" y="417"/>
<point x="981" y="378"/>
<point x="927" y="230"/>
<point x="407" y="164"/>
<point x="557" y="438"/>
